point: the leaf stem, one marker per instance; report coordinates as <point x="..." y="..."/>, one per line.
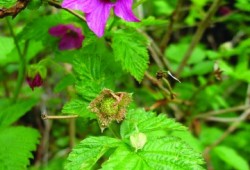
<point x="45" y="116"/>
<point x="22" y="65"/>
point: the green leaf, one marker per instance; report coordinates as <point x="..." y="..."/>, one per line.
<point x="231" y="157"/>
<point x="77" y="107"/>
<point x="164" y="153"/>
<point x="92" y="75"/>
<point x="124" y="158"/>
<point x="148" y="123"/>
<point x="14" y="111"/>
<point x="17" y="144"/>
<point x="38" y="28"/>
<point x="130" y="48"/>
<point x="175" y="52"/>
<point x="34" y="4"/>
<point x="33" y="49"/>
<point x="7" y="3"/>
<point x="202" y="68"/>
<point x="243" y="5"/>
<point x="6" y="45"/>
<point x="66" y="81"/>
<point x="89" y="151"/>
<point x="150" y="21"/>
<point x="190" y="140"/>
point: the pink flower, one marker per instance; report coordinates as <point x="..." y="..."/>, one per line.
<point x="224" y="10"/>
<point x="71" y="36"/>
<point x="97" y="11"/>
<point x="36" y="81"/>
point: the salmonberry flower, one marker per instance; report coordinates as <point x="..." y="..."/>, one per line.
<point x="36" y="81"/>
<point x="71" y="36"/>
<point x="97" y="11"/>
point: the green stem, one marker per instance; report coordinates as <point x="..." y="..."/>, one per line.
<point x="113" y="131"/>
<point x="22" y="66"/>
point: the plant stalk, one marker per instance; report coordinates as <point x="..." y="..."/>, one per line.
<point x="22" y="65"/>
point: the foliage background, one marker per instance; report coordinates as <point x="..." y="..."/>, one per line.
<point x="213" y="105"/>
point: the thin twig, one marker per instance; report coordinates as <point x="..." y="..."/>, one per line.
<point x="198" y="35"/>
<point x="22" y="65"/>
<point x="58" y="5"/>
<point x="45" y="116"/>
<point x="14" y="10"/>
<point x="156" y="53"/>
<point x="173" y="19"/>
<point x="156" y="58"/>
<point x="232" y="127"/>
<point x="158" y="84"/>
<point x="222" y="119"/>
<point x="218" y="112"/>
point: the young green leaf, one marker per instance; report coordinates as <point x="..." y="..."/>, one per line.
<point x="7" y="3"/>
<point x="130" y="48"/>
<point x="17" y="143"/>
<point x="148" y="123"/>
<point x="164" y="153"/>
<point x="13" y="112"/>
<point x="78" y="107"/>
<point x="89" y="151"/>
<point x="231" y="157"/>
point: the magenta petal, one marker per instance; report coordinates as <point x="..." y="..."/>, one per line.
<point x="123" y="9"/>
<point x="82" y="5"/>
<point x="97" y="19"/>
<point x="37" y="81"/>
<point x="58" y="30"/>
<point x="70" y="42"/>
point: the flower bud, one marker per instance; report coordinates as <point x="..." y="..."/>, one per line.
<point x="138" y="140"/>
<point x="35" y="75"/>
<point x="35" y="81"/>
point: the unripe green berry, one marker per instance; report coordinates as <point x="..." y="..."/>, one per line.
<point x="109" y="106"/>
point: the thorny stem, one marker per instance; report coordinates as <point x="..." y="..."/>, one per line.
<point x="22" y="66"/>
<point x="58" y="5"/>
<point x="198" y="35"/>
